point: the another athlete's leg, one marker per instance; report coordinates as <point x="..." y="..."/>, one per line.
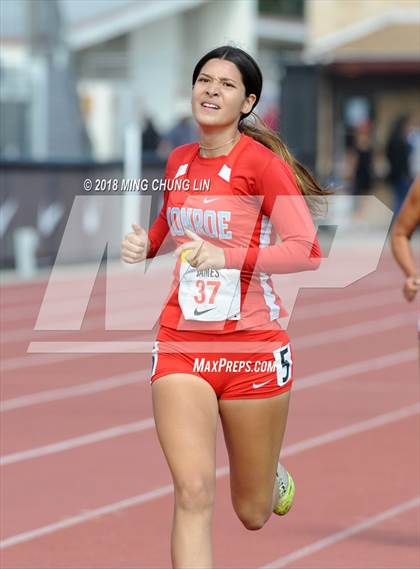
<point x="254" y="430"/>
<point x="186" y="414"/>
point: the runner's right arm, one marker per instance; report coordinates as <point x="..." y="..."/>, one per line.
<point x="404" y="226"/>
<point x="160" y="238"/>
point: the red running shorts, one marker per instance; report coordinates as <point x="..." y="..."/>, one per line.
<point x="248" y="364"/>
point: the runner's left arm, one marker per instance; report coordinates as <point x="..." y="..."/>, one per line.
<point x="286" y="208"/>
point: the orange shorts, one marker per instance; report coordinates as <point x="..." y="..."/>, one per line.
<point x="247" y="364"/>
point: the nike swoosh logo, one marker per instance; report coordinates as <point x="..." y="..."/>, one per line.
<point x="197" y="313"/>
<point x="257" y="385"/>
<point x="207" y="200"/>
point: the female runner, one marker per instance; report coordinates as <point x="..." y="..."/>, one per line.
<point x="219" y="348"/>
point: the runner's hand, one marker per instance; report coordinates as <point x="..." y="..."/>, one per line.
<point x="202" y="254"/>
<point x="135" y="245"/>
<point x="411" y="286"/>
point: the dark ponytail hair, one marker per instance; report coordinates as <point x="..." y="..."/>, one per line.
<point x="258" y="129"/>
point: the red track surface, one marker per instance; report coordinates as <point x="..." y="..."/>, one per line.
<point x="105" y="501"/>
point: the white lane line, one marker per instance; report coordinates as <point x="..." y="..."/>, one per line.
<point x="22" y="295"/>
<point x="326" y="438"/>
<point x="355" y="428"/>
<point x="136" y="426"/>
<point x="89" y="347"/>
<point x="383" y="297"/>
<point x="86" y="516"/>
<point x="79" y="390"/>
<point x="69" y="301"/>
<point x="354" y="330"/>
<point x="352" y="370"/>
<point x="113" y="382"/>
<point x="126" y="318"/>
<point x="75" y="442"/>
<point x="309" y="340"/>
<point x="70" y="277"/>
<point x="62" y="347"/>
<point x="67" y="308"/>
<point x="34" y="360"/>
<point x="374" y="280"/>
<point x="83" y="440"/>
<point x="343" y="534"/>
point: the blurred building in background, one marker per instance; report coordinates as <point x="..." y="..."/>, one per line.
<point x="347" y="62"/>
<point x="78" y="75"/>
<point x="134" y="58"/>
<point x="358" y="72"/>
<point x="40" y="108"/>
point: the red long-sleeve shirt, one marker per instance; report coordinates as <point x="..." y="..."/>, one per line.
<point x="244" y="217"/>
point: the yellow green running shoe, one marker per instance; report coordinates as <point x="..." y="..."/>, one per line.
<point x="286" y="491"/>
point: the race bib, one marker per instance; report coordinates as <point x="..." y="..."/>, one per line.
<point x="209" y="295"/>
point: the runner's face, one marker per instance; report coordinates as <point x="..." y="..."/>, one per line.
<point x="220" y="83"/>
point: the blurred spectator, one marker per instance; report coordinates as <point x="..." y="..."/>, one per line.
<point x="359" y="164"/>
<point x="398" y="150"/>
<point x="362" y="163"/>
<point x="271" y="117"/>
<point x="183" y="132"/>
<point x="150" y="139"/>
<point x="414" y="140"/>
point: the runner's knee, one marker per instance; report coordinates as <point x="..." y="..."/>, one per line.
<point x="195" y="494"/>
<point x="253" y="514"/>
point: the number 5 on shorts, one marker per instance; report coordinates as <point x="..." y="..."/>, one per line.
<point x="283" y="357"/>
<point x="155" y="354"/>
